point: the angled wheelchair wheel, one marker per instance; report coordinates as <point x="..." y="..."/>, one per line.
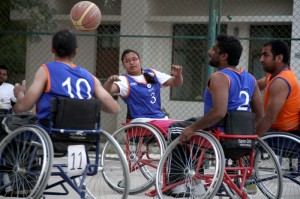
<point x="143" y="146"/>
<point x="266" y="179"/>
<point x="112" y="168"/>
<point x="197" y="166"/>
<point x="286" y="147"/>
<point x="26" y="157"/>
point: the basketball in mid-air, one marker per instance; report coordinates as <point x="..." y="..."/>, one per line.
<point x="85" y="16"/>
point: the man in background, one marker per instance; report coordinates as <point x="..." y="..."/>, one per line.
<point x="281" y="90"/>
<point x="7" y="98"/>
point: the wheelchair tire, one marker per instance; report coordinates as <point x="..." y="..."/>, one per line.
<point x="286" y="148"/>
<point x="26" y="160"/>
<point x="112" y="163"/>
<point x="205" y="149"/>
<point x="143" y="146"/>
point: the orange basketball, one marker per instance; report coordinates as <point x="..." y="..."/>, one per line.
<point x="85" y="16"/>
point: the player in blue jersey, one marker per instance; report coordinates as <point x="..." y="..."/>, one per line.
<point x="229" y="89"/>
<point x="140" y="89"/>
<point x="61" y="78"/>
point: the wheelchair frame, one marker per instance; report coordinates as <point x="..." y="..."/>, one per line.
<point x="27" y="163"/>
<point x="253" y="168"/>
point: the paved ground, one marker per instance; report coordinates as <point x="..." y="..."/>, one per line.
<point x="107" y="193"/>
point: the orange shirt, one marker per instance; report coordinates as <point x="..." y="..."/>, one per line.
<point x="288" y="117"/>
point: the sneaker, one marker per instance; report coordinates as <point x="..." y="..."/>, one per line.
<point x="7" y="183"/>
<point x="187" y="190"/>
<point x="179" y="191"/>
<point x="198" y="190"/>
<point x="251" y="189"/>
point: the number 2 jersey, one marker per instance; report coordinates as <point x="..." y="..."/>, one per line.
<point x="64" y="81"/>
<point x="241" y="88"/>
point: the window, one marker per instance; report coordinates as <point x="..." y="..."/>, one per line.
<point x="191" y="53"/>
<point x="108" y="51"/>
<point x="257" y="33"/>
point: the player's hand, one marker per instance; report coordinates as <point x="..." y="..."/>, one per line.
<point x="186" y="134"/>
<point x="113" y="78"/>
<point x="20" y="88"/>
<point x="176" y="70"/>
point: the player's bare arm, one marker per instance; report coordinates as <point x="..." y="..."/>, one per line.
<point x="275" y="104"/>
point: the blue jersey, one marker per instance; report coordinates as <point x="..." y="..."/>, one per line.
<point x="143" y="99"/>
<point x="241" y="88"/>
<point x="64" y="81"/>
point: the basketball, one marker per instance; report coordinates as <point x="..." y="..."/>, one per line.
<point x="85" y="16"/>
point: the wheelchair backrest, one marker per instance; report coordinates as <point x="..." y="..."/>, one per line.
<point x="238" y="123"/>
<point x="79" y="114"/>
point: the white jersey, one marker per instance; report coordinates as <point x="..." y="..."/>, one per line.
<point x="6" y="95"/>
<point x="123" y="86"/>
<point x="123" y="83"/>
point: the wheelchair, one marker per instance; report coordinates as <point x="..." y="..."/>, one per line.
<point x="208" y="160"/>
<point x="33" y="161"/>
<point x="143" y="145"/>
<point x="286" y="147"/>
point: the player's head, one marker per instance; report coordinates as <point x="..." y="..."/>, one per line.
<point x="64" y="43"/>
<point x="279" y="47"/>
<point x="3" y="73"/>
<point x="274" y="56"/>
<point x="131" y="62"/>
<point x="232" y="47"/>
<point x="227" y="51"/>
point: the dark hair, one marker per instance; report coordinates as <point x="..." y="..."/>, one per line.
<point x="279" y="47"/>
<point x="232" y="46"/>
<point x="3" y="67"/>
<point x="64" y="43"/>
<point x="148" y="77"/>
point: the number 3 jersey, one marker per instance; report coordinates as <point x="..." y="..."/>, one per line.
<point x="241" y="88"/>
<point x="64" y="81"/>
<point x="143" y="99"/>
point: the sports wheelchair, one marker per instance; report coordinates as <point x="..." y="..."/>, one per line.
<point x="33" y="160"/>
<point x="143" y="145"/>
<point x="209" y="159"/>
<point x="286" y="146"/>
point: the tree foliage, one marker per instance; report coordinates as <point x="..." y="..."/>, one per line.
<point x="39" y="13"/>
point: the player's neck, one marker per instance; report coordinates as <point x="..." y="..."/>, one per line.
<point x="65" y="61"/>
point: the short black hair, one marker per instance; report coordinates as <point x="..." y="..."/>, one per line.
<point x="3" y="67"/>
<point x="232" y="46"/>
<point x="279" y="47"/>
<point x="125" y="52"/>
<point x="64" y="43"/>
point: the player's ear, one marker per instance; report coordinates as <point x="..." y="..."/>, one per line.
<point x="279" y="57"/>
<point x="224" y="56"/>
